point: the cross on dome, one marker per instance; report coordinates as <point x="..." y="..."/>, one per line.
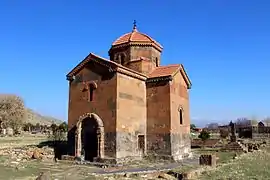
<point x="134" y="26"/>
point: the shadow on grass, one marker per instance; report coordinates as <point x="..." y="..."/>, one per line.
<point x="60" y="147"/>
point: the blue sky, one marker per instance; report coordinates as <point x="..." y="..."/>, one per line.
<point x="223" y="44"/>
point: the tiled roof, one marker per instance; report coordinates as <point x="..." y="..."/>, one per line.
<point x="162" y="71"/>
<point x="135" y="36"/>
<point x="159" y="73"/>
<point x="167" y="72"/>
<point x="110" y="64"/>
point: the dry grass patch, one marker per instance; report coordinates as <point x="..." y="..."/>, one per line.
<point x="10" y="170"/>
<point x="249" y="166"/>
<point x="223" y="156"/>
<point x="28" y="139"/>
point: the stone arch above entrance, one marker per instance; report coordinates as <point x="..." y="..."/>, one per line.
<point x="90" y="115"/>
<point x="98" y="134"/>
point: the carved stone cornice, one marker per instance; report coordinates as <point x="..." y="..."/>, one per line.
<point x="156" y="79"/>
<point x="143" y="44"/>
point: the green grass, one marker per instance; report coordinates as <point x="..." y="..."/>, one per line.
<point x="254" y="165"/>
<point x="32" y="168"/>
<point x="223" y="157"/>
<point x="9" y="173"/>
<point x="249" y="166"/>
<point x="184" y="169"/>
<point x="6" y="142"/>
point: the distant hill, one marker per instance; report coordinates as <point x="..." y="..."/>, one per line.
<point x="34" y="118"/>
<point x="201" y="123"/>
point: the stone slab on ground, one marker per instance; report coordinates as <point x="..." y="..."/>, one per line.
<point x="167" y="167"/>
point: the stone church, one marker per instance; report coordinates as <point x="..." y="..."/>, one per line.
<point x="129" y="106"/>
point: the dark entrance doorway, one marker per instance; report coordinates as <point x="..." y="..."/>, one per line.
<point x="89" y="138"/>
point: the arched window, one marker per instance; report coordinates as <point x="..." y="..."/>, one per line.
<point x="156" y="62"/>
<point x="116" y="57"/>
<point x="122" y="59"/>
<point x="181" y="118"/>
<point x="89" y="88"/>
<point x="91" y="93"/>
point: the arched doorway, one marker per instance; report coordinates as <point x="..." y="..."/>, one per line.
<point x="89" y="138"/>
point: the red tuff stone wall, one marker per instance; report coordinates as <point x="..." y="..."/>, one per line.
<point x="147" y="66"/>
<point x="158" y="119"/>
<point x="165" y="135"/>
<point x="148" y="52"/>
<point x="103" y="103"/>
<point x="135" y="52"/>
<point x="131" y="115"/>
<point x="135" y="65"/>
<point x="179" y="99"/>
<point x="142" y="66"/>
<point x="115" y="52"/>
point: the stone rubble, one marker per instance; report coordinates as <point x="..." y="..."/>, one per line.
<point x="18" y="157"/>
<point x="27" y="153"/>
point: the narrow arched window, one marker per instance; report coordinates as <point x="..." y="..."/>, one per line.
<point x="116" y="57"/>
<point x="91" y="93"/>
<point x="156" y="62"/>
<point x="122" y="59"/>
<point x="181" y="116"/>
<point x="91" y="90"/>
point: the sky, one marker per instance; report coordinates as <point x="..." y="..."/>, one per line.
<point x="223" y="45"/>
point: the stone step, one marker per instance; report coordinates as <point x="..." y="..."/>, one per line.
<point x="235" y="146"/>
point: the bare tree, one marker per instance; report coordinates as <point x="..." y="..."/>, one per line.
<point x="243" y="122"/>
<point x="28" y="127"/>
<point x="224" y="133"/>
<point x="12" y="111"/>
<point x="212" y="126"/>
<point x="266" y="121"/>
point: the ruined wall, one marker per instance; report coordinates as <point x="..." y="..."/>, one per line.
<point x="180" y="137"/>
<point x="103" y="103"/>
<point x="158" y="119"/>
<point x="131" y="115"/>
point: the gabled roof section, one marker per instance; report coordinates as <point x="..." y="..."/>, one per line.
<point x="81" y="65"/>
<point x="168" y="72"/>
<point x="112" y="67"/>
<point x="185" y="76"/>
<point x="162" y="71"/>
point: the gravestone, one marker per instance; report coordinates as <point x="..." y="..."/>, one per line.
<point x="233" y="132"/>
<point x="3" y="131"/>
<point x="208" y="160"/>
<point x="10" y="131"/>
